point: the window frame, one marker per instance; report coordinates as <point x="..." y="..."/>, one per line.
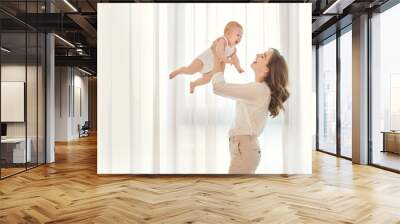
<point x="334" y="37"/>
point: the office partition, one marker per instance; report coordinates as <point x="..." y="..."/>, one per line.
<point x="22" y="77"/>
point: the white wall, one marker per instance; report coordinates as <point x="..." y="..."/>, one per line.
<point x="10" y="73"/>
<point x="61" y="103"/>
<point x="80" y="84"/>
<point x="67" y="116"/>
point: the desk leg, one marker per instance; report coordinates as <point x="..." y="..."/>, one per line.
<point x="384" y="142"/>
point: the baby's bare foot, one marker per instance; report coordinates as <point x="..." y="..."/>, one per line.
<point x="173" y="74"/>
<point x="192" y="86"/>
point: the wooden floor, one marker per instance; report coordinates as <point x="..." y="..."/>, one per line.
<point x="10" y="171"/>
<point x="5" y="172"/>
<point x="70" y="191"/>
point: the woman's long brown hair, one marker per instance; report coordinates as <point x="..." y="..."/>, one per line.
<point x="277" y="80"/>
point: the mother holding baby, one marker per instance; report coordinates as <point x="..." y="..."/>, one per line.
<point x="254" y="102"/>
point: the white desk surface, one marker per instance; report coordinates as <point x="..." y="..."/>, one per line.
<point x="19" y="152"/>
<point x="13" y="140"/>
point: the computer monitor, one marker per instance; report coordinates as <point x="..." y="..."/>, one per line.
<point x="3" y="129"/>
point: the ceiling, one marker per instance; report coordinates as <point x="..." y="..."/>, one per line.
<point x="76" y="21"/>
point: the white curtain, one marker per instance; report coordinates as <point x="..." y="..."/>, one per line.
<point x="150" y="124"/>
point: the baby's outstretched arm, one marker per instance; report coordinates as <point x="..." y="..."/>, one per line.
<point x="236" y="63"/>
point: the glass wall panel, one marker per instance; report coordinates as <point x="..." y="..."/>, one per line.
<point x="327" y="96"/>
<point x="22" y="88"/>
<point x="385" y="89"/>
<point x="32" y="90"/>
<point x="41" y="98"/>
<point x="314" y="95"/>
<point x="32" y="95"/>
<point x="346" y="94"/>
<point x="13" y="93"/>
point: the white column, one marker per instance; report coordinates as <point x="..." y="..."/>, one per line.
<point x="50" y="99"/>
<point x="360" y="90"/>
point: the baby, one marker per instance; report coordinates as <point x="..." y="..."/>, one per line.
<point x="225" y="51"/>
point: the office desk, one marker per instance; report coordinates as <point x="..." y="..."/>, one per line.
<point x="15" y="148"/>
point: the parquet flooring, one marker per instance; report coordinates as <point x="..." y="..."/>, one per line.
<point x="10" y="171"/>
<point x="70" y="191"/>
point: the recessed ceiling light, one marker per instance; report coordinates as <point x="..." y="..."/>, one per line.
<point x="64" y="40"/>
<point x="70" y="5"/>
<point x="338" y="6"/>
<point x="84" y="71"/>
<point x="5" y="50"/>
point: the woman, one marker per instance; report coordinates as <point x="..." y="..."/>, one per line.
<point x="254" y="101"/>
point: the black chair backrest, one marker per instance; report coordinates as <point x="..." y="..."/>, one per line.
<point x="86" y="125"/>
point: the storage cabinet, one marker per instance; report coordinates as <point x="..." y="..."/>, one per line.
<point x="391" y="142"/>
